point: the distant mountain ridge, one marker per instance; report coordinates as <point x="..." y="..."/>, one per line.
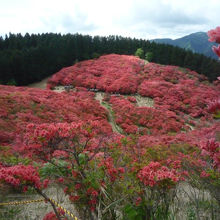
<point x="197" y="42"/>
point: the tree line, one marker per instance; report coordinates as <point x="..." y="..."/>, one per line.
<point x="30" y="58"/>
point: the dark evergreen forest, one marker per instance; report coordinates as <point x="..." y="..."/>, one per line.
<point x="30" y="58"/>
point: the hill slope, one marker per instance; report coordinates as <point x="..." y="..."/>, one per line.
<point x="197" y="42"/>
<point x="123" y="123"/>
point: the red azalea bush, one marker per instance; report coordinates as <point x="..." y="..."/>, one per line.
<point x="20" y="175"/>
<point x="171" y="87"/>
<point x="20" y="105"/>
<point x="145" y="120"/>
<point x="214" y="36"/>
<point x="155" y="174"/>
<point x="110" y="73"/>
<point x="96" y="168"/>
<point x="78" y="145"/>
<point x="214" y="107"/>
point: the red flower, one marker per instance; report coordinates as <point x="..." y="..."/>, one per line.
<point x="25" y="188"/>
<point x="75" y="174"/>
<point x="78" y="186"/>
<point x="94" y="193"/>
<point x="92" y="208"/>
<point x="216" y="50"/>
<point x="50" y="216"/>
<point x="61" y="180"/>
<point x="92" y="202"/>
<point x="138" y="201"/>
<point x="45" y="183"/>
<point x="214" y="35"/>
<point x="74" y="198"/>
<point x="121" y="169"/>
<point x="204" y="174"/>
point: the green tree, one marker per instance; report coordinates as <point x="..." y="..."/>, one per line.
<point x="149" y="56"/>
<point x="139" y="52"/>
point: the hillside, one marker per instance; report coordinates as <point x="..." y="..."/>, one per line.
<point x="31" y="58"/>
<point x="118" y="128"/>
<point x="196" y="42"/>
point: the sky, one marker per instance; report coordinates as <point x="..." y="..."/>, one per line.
<point x="146" y="19"/>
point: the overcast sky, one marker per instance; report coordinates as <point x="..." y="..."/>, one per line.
<point x="145" y="19"/>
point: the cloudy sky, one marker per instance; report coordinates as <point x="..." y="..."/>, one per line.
<point x="145" y="19"/>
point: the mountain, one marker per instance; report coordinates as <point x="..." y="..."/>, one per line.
<point x="197" y="42"/>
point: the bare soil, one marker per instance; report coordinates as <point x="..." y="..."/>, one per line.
<point x="41" y="85"/>
<point x="37" y="210"/>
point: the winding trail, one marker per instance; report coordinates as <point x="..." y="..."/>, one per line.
<point x="141" y="102"/>
<point x="115" y="128"/>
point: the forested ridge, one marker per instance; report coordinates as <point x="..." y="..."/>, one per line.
<point x="197" y="42"/>
<point x="29" y="58"/>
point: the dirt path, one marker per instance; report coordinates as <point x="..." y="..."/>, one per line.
<point x="41" y="85"/>
<point x="141" y="102"/>
<point x="99" y="96"/>
<point x="144" y="101"/>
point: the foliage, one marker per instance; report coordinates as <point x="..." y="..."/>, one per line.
<point x="9" y="213"/>
<point x="139" y="53"/>
<point x="149" y="56"/>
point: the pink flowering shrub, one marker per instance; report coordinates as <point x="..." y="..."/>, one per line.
<point x="151" y="120"/>
<point x="110" y="73"/>
<point x="214" y="107"/>
<point x="212" y="149"/>
<point x="154" y="174"/>
<point x="82" y="160"/>
<point x="20" y="106"/>
<point x="171" y="87"/>
<point x="20" y="175"/>
<point x="214" y="36"/>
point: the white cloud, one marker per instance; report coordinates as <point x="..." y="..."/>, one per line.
<point x="135" y="18"/>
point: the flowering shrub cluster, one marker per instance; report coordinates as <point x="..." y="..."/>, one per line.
<point x="49" y="139"/>
<point x="145" y="120"/>
<point x="20" y="175"/>
<point x="110" y="73"/>
<point x="155" y="174"/>
<point x="212" y="149"/>
<point x="20" y="105"/>
<point x="214" y="36"/>
<point x="179" y="95"/>
<point x="171" y="87"/>
<point x="214" y="107"/>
